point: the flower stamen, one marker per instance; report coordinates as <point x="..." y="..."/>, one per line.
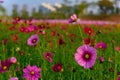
<point x="4" y="67"/>
<point x="32" y="72"/>
<point x="87" y="56"/>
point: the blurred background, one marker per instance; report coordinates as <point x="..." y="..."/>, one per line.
<point x="60" y="9"/>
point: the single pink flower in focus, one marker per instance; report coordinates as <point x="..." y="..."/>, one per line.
<point x="86" y="56"/>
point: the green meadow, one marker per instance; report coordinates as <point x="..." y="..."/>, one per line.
<point x="72" y="37"/>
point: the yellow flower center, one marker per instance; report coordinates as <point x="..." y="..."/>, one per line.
<point x="5" y="67"/>
<point x="34" y="40"/>
<point x="48" y="56"/>
<point x="100" y="46"/>
<point x="87" y="56"/>
<point x="89" y="31"/>
<point x="62" y="70"/>
<point x="32" y="73"/>
<point x="17" y="18"/>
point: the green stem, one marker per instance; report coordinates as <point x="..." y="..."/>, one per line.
<point x="59" y="78"/>
<point x="3" y="50"/>
<point x="71" y="76"/>
<point x="115" y="66"/>
<point x="12" y="51"/>
<point x="80" y="32"/>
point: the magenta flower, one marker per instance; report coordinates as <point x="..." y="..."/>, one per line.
<point x="26" y="30"/>
<point x="5" y="41"/>
<point x="13" y="60"/>
<point x="57" y="67"/>
<point x="101" y="59"/>
<point x="14" y="78"/>
<point x="86" y="40"/>
<point x="101" y="45"/>
<point x="89" y="31"/>
<point x="31" y="72"/>
<point x="21" y="29"/>
<point x="118" y="78"/>
<point x="48" y="56"/>
<point x="42" y="26"/>
<point x="118" y="73"/>
<point x="5" y="65"/>
<point x="33" y="40"/>
<point x="61" y="41"/>
<point x="86" y="56"/>
<point x="73" y="18"/>
<point x="43" y="32"/>
<point x="32" y="28"/>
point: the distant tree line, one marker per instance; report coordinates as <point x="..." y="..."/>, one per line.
<point x="106" y="7"/>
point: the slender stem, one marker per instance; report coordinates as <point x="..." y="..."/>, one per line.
<point x="115" y="66"/>
<point x="80" y="31"/>
<point x="12" y="51"/>
<point x="72" y="76"/>
<point x="3" y="50"/>
<point x="116" y="59"/>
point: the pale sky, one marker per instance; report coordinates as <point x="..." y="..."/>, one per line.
<point x="30" y="3"/>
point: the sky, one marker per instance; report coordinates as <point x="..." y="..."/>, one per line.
<point x="30" y="3"/>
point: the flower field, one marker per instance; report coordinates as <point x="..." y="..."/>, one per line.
<point x="44" y="50"/>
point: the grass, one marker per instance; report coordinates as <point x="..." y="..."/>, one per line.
<point x="61" y="54"/>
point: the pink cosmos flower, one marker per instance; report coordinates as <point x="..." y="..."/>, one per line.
<point x="89" y="41"/>
<point x="1" y="1"/>
<point x="31" y="72"/>
<point x="101" y="59"/>
<point x="86" y="56"/>
<point x="21" y="29"/>
<point x="42" y="26"/>
<point x="73" y="18"/>
<point x="118" y="78"/>
<point x="89" y="31"/>
<point x="86" y="40"/>
<point x="57" y="67"/>
<point x="48" y="56"/>
<point x="40" y="31"/>
<point x="101" y="45"/>
<point x="5" y="41"/>
<point x="61" y="41"/>
<point x="14" y="78"/>
<point x="32" y="28"/>
<point x="5" y="65"/>
<point x="13" y="60"/>
<point x="33" y="40"/>
<point x="26" y="30"/>
<point x="117" y="48"/>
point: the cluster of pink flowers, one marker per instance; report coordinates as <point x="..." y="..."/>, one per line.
<point x="5" y="65"/>
<point x="86" y="55"/>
